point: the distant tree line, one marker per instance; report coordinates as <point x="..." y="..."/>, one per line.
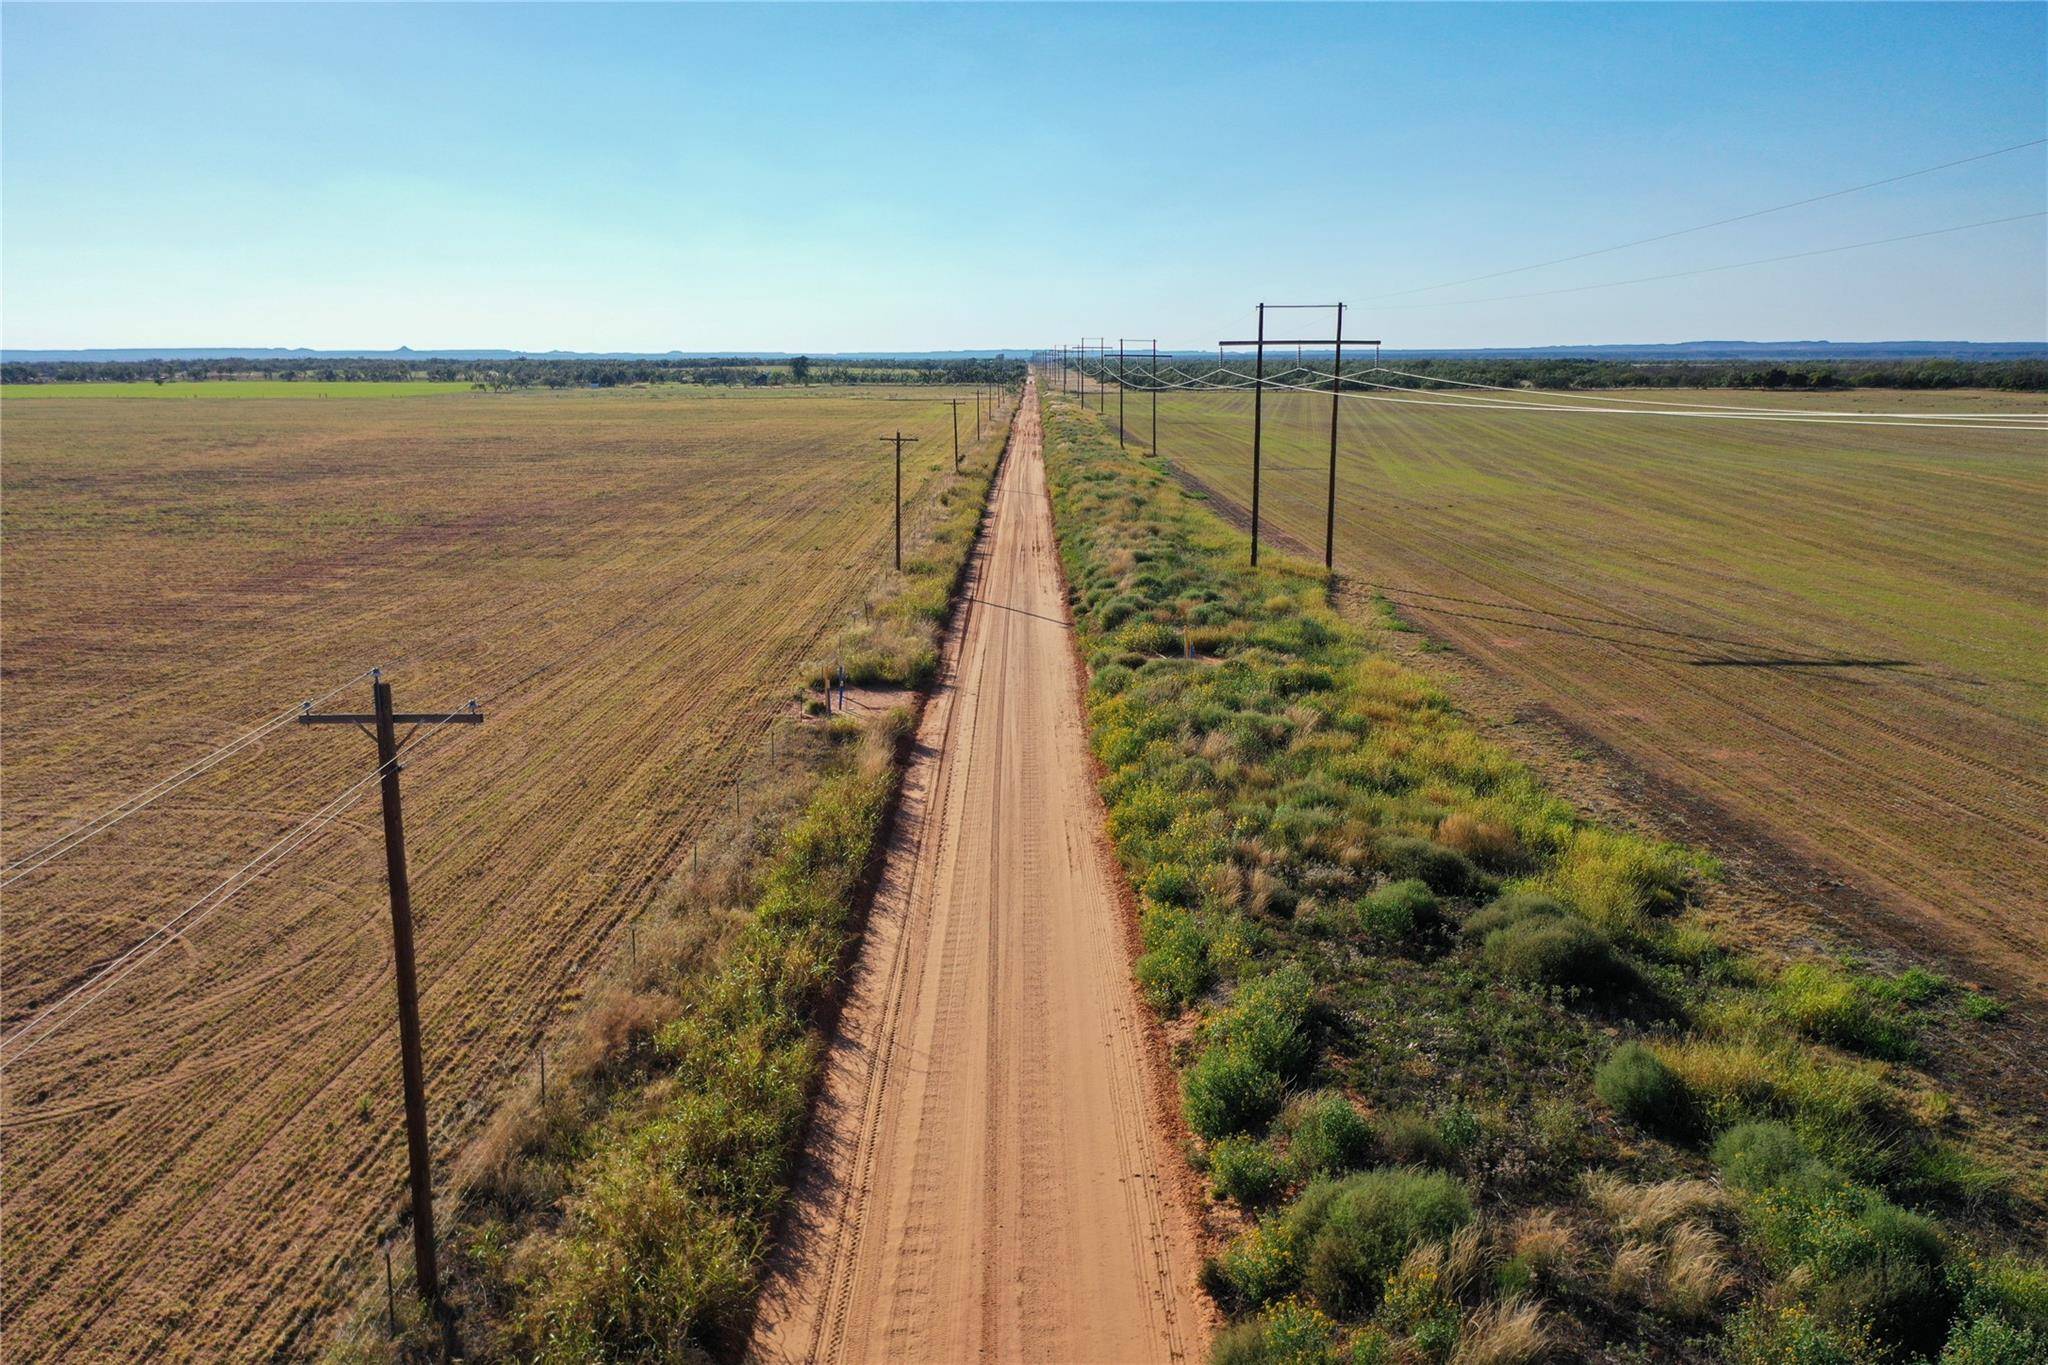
<point x="526" y="374"/>
<point x="2029" y="376"/>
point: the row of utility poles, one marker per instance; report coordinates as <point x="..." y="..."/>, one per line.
<point x="1074" y="365"/>
<point x="381" y="723"/>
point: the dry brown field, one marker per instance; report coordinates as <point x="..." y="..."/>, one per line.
<point x="1823" y="642"/>
<point x="202" y="1163"/>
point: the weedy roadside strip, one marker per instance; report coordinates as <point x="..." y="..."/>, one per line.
<point x="626" y="1213"/>
<point x="1471" y="1078"/>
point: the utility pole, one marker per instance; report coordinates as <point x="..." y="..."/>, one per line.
<point x="425" y="1267"/>
<point x="1119" y="393"/>
<point x="1122" y="344"/>
<point x="955" y="403"/>
<point x="899" y="438"/>
<point x="1258" y="395"/>
<point x="1258" y="416"/>
<point x="1336" y="405"/>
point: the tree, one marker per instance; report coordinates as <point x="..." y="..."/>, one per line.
<point x="800" y="367"/>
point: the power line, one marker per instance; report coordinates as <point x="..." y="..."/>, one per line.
<point x="1734" y="265"/>
<point x="115" y="814"/>
<point x="68" y="1006"/>
<point x="1718" y="222"/>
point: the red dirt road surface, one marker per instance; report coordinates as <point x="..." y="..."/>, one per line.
<point x="988" y="1173"/>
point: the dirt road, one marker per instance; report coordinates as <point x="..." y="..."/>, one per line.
<point x="986" y="1177"/>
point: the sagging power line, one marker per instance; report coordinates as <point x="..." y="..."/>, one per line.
<point x="1261" y="342"/>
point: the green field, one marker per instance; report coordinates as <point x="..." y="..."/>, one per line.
<point x="232" y="388"/>
<point x="1832" y="633"/>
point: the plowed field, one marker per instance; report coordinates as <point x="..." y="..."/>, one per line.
<point x="1832" y="635"/>
<point x="199" y="1164"/>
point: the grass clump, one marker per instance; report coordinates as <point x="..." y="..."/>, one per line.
<point x="1637" y="1084"/>
<point x="1836" y="1008"/>
<point x="1562" y="951"/>
<point x="1411" y="1139"/>
<point x="1326" y="1136"/>
<point x="1443" y="870"/>
<point x="1256" y="1048"/>
<point x="1357" y="1231"/>
<point x="1400" y="914"/>
<point x="1245" y="1170"/>
<point x="1763" y="1156"/>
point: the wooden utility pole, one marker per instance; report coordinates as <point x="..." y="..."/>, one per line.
<point x="425" y="1268"/>
<point x="955" y="403"/>
<point x="899" y="438"/>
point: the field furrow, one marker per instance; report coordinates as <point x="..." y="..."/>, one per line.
<point x="629" y="581"/>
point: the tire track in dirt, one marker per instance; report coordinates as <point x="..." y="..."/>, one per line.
<point x="986" y="1170"/>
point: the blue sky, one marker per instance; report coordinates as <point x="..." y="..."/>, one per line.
<point x="869" y="177"/>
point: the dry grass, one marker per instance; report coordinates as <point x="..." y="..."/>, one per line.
<point x="1544" y="1242"/>
<point x="1696" y="1272"/>
<point x="1468" y="1262"/>
<point x="1632" y="1273"/>
<point x="1491" y="843"/>
<point x="1646" y="1210"/>
<point x="1511" y="1332"/>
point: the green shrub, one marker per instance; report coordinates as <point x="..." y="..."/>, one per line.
<point x="1637" y="1085"/>
<point x="1458" y="1127"/>
<point x="1565" y="951"/>
<point x="1254" y="1047"/>
<point x="1826" y="1005"/>
<point x="1354" y="1232"/>
<point x="1399" y="912"/>
<point x="1172" y="884"/>
<point x="1230" y="1090"/>
<point x="1269" y="1021"/>
<point x="1289" y="1333"/>
<point x="2013" y="1289"/>
<point x="1758" y="1156"/>
<point x="1993" y="1341"/>
<point x="1444" y="870"/>
<point x="1511" y="908"/>
<point x="1787" y="1334"/>
<point x="1176" y="971"/>
<point x="1874" y="1268"/>
<point x="1244" y="1169"/>
<point x="1409" y="1138"/>
<point x="1257" y="1268"/>
<point x="1896" y="1287"/>
<point x="1983" y="1008"/>
<point x="1328" y="1136"/>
